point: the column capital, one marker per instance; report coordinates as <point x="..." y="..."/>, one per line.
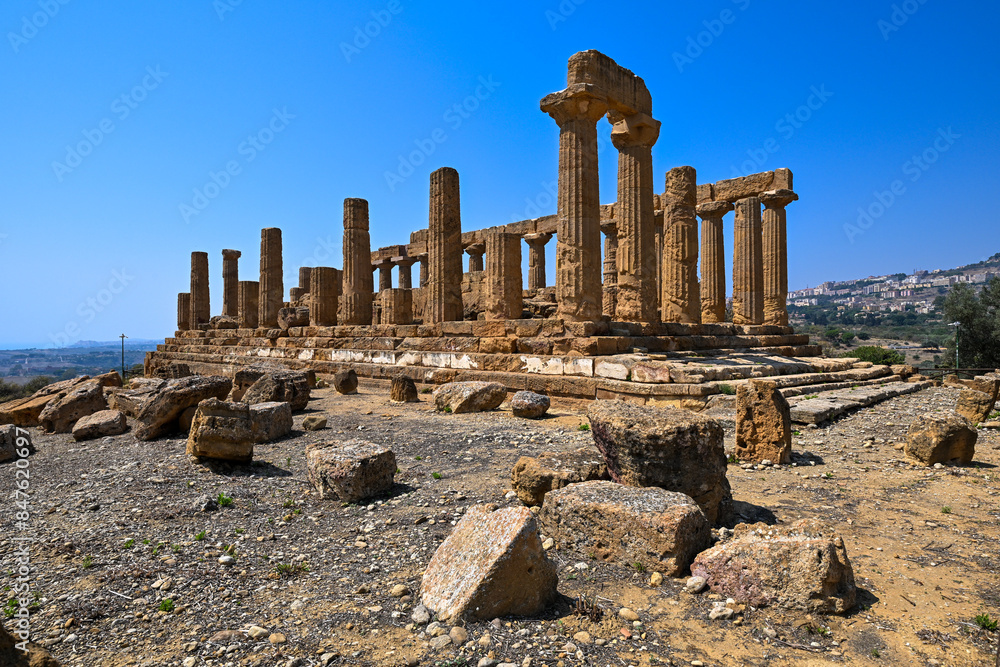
<point x="609" y="228"/>
<point x="404" y="260"/>
<point x="578" y="101"/>
<point x="384" y="263"/>
<point x="778" y="198"/>
<point x="636" y="130"/>
<point x="714" y="209"/>
<point x="231" y="254"/>
<point x="537" y="239"/>
<point x="475" y="248"/>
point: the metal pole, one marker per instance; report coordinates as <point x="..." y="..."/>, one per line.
<point x="123" y="337"/>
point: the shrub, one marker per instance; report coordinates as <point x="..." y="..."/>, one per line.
<point x="876" y="355"/>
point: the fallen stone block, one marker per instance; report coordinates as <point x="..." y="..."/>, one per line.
<point x="763" y="424"/>
<point x="221" y="430"/>
<point x="403" y="390"/>
<point x="974" y="405"/>
<point x="131" y="399"/>
<point x="160" y="411"/>
<point x="350" y="470"/>
<point x="345" y="382"/>
<point x="672" y="448"/>
<point x="661" y="530"/>
<point x="220" y="322"/>
<point x="172" y="372"/>
<point x="100" y="424"/>
<point x="84" y="399"/>
<point x="459" y="397"/>
<point x="529" y="405"/>
<point x="270" y="421"/>
<point x="290" y="387"/>
<point x="532" y="478"/>
<point x="799" y="567"/>
<point x="12" y="444"/>
<point x="314" y="422"/>
<point x="941" y="438"/>
<point x="293" y="317"/>
<point x="492" y="565"/>
<point x="110" y="379"/>
<point x="27" y="411"/>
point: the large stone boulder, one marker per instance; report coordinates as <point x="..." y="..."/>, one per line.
<point x="529" y="405"/>
<point x="763" y="423"/>
<point x="661" y="530"/>
<point x="100" y="424"/>
<point x="160" y="411"/>
<point x="290" y="387"/>
<point x="532" y="478"/>
<point x="350" y="470"/>
<point x="110" y="379"/>
<point x="27" y="411"/>
<point x="800" y="567"/>
<point x="672" y="448"/>
<point x="458" y="397"/>
<point x="131" y="400"/>
<point x="84" y="399"/>
<point x="403" y="390"/>
<point x="221" y="430"/>
<point x="220" y="322"/>
<point x="345" y="382"/>
<point x="243" y="379"/>
<point x="172" y="371"/>
<point x="293" y="317"/>
<point x="270" y="421"/>
<point x="13" y="444"/>
<point x="941" y="438"/>
<point x="492" y="565"/>
<point x="11" y="654"/>
<point x="974" y="405"/>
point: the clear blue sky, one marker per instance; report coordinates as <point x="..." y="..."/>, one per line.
<point x="183" y="85"/>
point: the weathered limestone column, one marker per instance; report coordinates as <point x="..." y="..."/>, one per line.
<point x="249" y="298"/>
<point x="658" y="236"/>
<point x="681" y="300"/>
<point x="305" y="281"/>
<point x="748" y="267"/>
<point x="384" y="267"/>
<point x="775" y="247"/>
<point x="422" y="278"/>
<point x="476" y="252"/>
<point x="183" y="311"/>
<point x="324" y="288"/>
<point x="230" y="282"/>
<point x="444" y="249"/>
<point x="610" y="273"/>
<point x="201" y="309"/>
<point x="502" y="298"/>
<point x="578" y="237"/>
<point x="404" y="263"/>
<point x="397" y="306"/>
<point x="272" y="287"/>
<point x="636" y="297"/>
<point x="536" y="260"/>
<point x="358" y="283"/>
<point x="713" y="261"/>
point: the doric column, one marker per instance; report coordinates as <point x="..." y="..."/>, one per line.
<point x="183" y="311"/>
<point x="272" y="286"/>
<point x="680" y="301"/>
<point x="476" y="252"/>
<point x="658" y="236"/>
<point x="536" y="260"/>
<point x="444" y="249"/>
<point x="384" y="267"/>
<point x="397" y="306"/>
<point x="502" y="298"/>
<point x="230" y="280"/>
<point x="358" y="284"/>
<point x="636" y="296"/>
<point x="404" y="263"/>
<point x="578" y="237"/>
<point x="201" y="309"/>
<point x="713" y="261"/>
<point x="775" y="247"/>
<point x="610" y="273"/>
<point x="748" y="267"/>
<point x="324" y="288"/>
<point x="249" y="298"/>
<point x="423" y="259"/>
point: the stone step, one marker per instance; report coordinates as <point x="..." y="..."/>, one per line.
<point x="811" y="382"/>
<point x="830" y="404"/>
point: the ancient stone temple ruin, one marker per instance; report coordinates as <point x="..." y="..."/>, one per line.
<point x="646" y="319"/>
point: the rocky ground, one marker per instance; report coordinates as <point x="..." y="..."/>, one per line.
<point x="126" y="562"/>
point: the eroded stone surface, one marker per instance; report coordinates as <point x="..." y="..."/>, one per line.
<point x="350" y="470"/>
<point x="403" y="390"/>
<point x="221" y="430"/>
<point x="533" y="477"/>
<point x="270" y="420"/>
<point x="461" y="397"/>
<point x="26" y="411"/>
<point x="100" y="424"/>
<point x="763" y="424"/>
<point x="346" y="382"/>
<point x="84" y="399"/>
<point x="290" y="387"/>
<point x="529" y="405"/>
<point x="160" y="410"/>
<point x="941" y="438"/>
<point x="975" y="405"/>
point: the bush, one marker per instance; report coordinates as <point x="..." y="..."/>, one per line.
<point x="876" y="355"/>
<point x="863" y="335"/>
<point x="10" y="391"/>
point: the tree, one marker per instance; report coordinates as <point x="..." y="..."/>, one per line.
<point x="876" y="355"/>
<point x="978" y="332"/>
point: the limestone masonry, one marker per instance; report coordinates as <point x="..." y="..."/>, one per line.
<point x="625" y="322"/>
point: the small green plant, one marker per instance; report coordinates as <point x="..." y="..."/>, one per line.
<point x="288" y="503"/>
<point x="732" y="459"/>
<point x="818" y="630"/>
<point x="224" y="500"/>
<point x="985" y="622"/>
<point x="290" y="569"/>
<point x="447" y="408"/>
<point x="727" y="389"/>
<point x="146" y="541"/>
<point x="156" y="549"/>
<point x="426" y="390"/>
<point x="270" y="520"/>
<point x="876" y="653"/>
<point x="11" y="608"/>
<point x="200" y="536"/>
<point x="88" y="562"/>
<point x="167" y="605"/>
<point x="176" y="548"/>
<point x="239" y="531"/>
<point x="419" y="458"/>
<point x="639" y="567"/>
<point x="288" y="460"/>
<point x="796" y="432"/>
<point x="808" y="396"/>
<point x="946" y="510"/>
<point x="436" y="475"/>
<point x="583" y="427"/>
<point x="129" y="543"/>
<point x="828" y="475"/>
